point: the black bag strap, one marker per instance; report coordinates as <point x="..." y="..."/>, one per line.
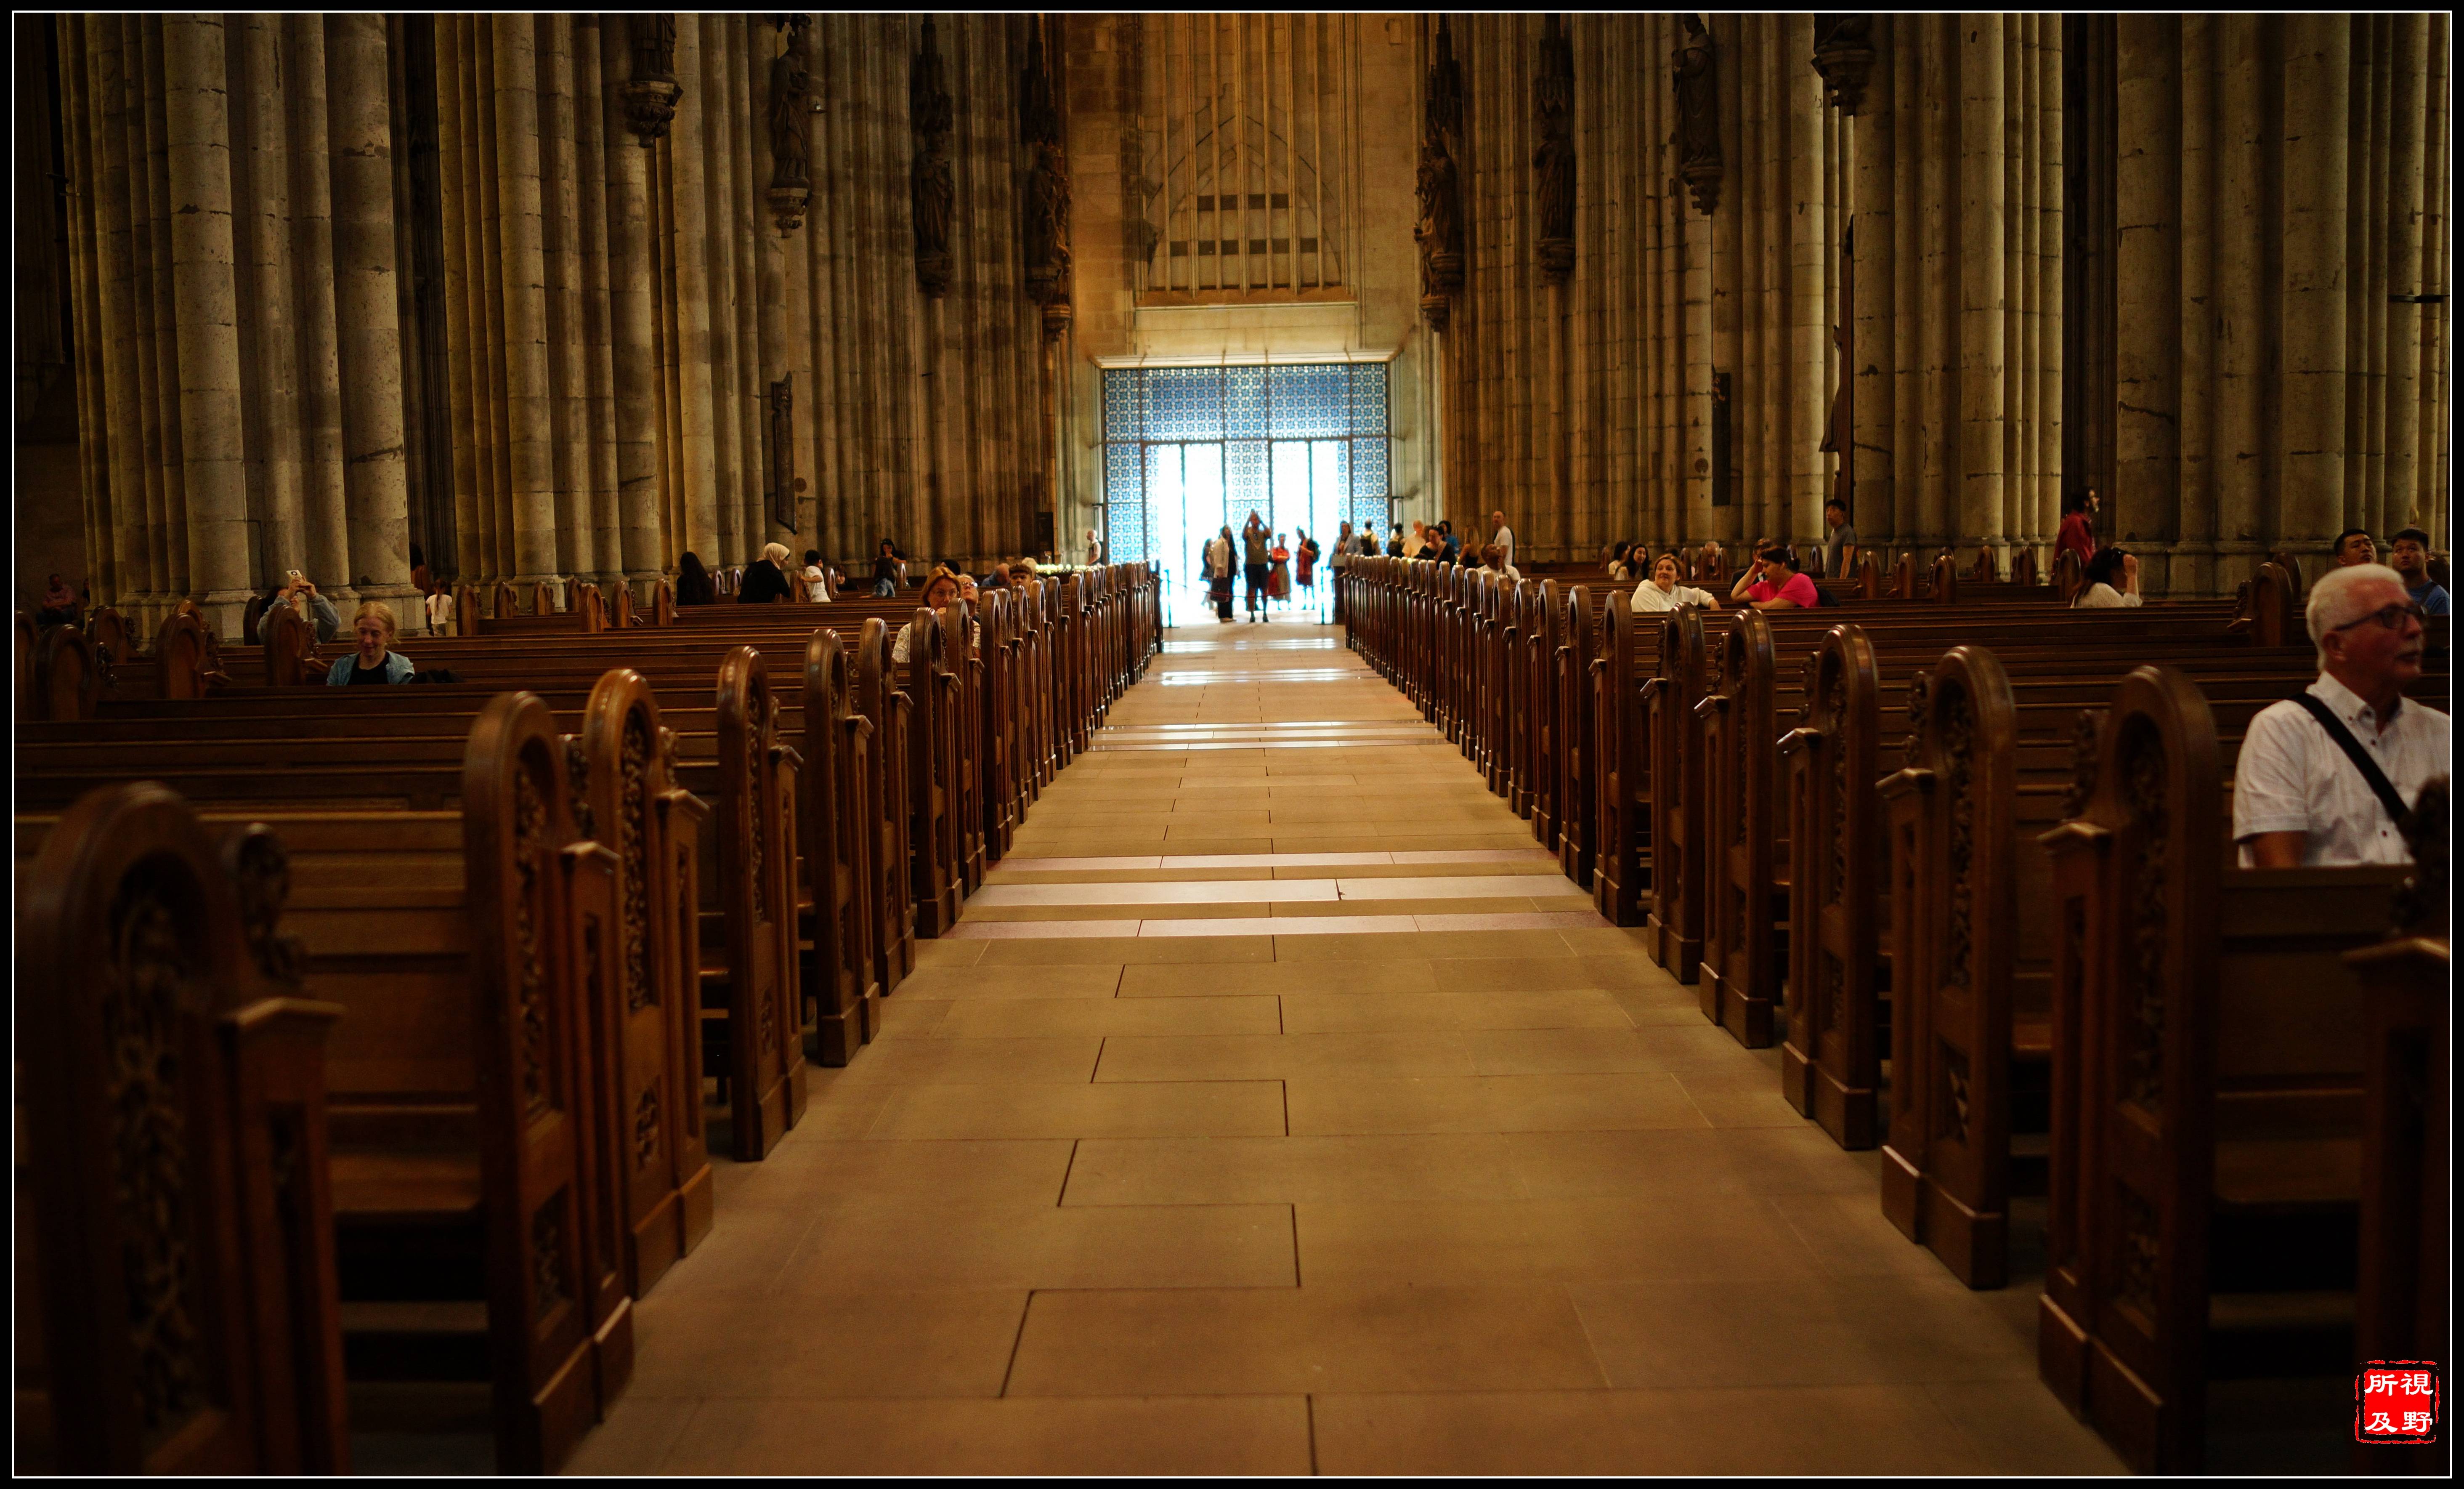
<point x="2380" y="785"/>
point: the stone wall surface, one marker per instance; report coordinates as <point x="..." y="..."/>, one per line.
<point x="308" y="290"/>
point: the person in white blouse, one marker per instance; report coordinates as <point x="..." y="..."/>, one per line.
<point x="2112" y="581"/>
<point x="1662" y="592"/>
<point x="2301" y="799"/>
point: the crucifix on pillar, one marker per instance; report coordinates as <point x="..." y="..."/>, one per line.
<point x="781" y="454"/>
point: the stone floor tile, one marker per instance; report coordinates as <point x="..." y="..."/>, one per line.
<point x="1896" y="1429"/>
<point x="1307" y="1338"/>
<point x="1251" y="1170"/>
<point x="1121" y="1108"/>
<point x="1147" y="1435"/>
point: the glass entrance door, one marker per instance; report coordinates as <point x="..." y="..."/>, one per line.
<point x="1189" y="451"/>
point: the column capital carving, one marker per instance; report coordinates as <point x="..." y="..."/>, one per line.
<point x="1696" y="68"/>
<point x="651" y="93"/>
<point x="1843" y="54"/>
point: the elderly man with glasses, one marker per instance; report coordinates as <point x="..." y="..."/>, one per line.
<point x="2323" y="778"/>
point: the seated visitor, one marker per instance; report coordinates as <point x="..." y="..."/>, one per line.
<point x="693" y="585"/>
<point x="2112" y="581"/>
<point x="2408" y="555"/>
<point x="889" y="570"/>
<point x="1662" y="592"/>
<point x="375" y="663"/>
<point x="816" y="579"/>
<point x="1773" y="584"/>
<point x="2323" y="778"/>
<point x="765" y="578"/>
<point x="2355" y="545"/>
<point x="299" y="592"/>
<point x="1493" y="557"/>
<point x="59" y="604"/>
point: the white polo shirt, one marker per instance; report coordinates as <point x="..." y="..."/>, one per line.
<point x="2293" y="778"/>
<point x="1505" y="541"/>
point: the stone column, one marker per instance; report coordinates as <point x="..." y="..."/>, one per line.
<point x="369" y="312"/>
<point x="328" y="542"/>
<point x="2193" y="553"/>
<point x="592" y="157"/>
<point x="197" y="130"/>
<point x="284" y="544"/>
<point x="2406" y="142"/>
<point x="162" y="339"/>
<point x="635" y="353"/>
<point x="1983" y="224"/>
<point x="1873" y="272"/>
<point x="692" y="239"/>
<point x="2243" y="320"/>
<point x="115" y="345"/>
<point x="2310" y="428"/>
<point x="2147" y="307"/>
<point x="560" y="211"/>
<point x="1811" y="243"/>
<point x="524" y="270"/>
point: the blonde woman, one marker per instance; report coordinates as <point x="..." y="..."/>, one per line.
<point x="1662" y="592"/>
<point x="375" y="663"/>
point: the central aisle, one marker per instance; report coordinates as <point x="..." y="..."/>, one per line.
<point x="1277" y="1106"/>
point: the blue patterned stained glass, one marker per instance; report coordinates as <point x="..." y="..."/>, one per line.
<point x="1369" y="490"/>
<point x="1244" y="402"/>
<point x="1309" y="402"/>
<point x="1185" y="403"/>
<point x="1368" y="398"/>
<point x="1244" y="483"/>
<point x="1121" y="399"/>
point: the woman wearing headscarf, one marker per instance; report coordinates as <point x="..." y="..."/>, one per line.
<point x="765" y="578"/>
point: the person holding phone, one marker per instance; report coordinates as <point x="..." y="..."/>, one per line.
<point x="298" y="591"/>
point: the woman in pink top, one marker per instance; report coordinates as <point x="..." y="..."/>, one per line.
<point x="1773" y="584"/>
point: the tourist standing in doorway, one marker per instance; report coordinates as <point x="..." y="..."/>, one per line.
<point x="1219" y="572"/>
<point x="1307" y="553"/>
<point x="1279" y="571"/>
<point x="1254" y="564"/>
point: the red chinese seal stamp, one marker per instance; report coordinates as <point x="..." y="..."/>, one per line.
<point x="2396" y="1401"/>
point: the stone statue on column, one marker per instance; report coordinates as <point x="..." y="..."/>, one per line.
<point x="791" y="153"/>
<point x="1047" y="190"/>
<point x="934" y="198"/>
<point x="651" y="93"/>
<point x="1696" y="68"/>
<point x="1440" y="228"/>
<point x="1553" y="163"/>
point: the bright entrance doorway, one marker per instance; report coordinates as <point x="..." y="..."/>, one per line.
<point x="1189" y="451"/>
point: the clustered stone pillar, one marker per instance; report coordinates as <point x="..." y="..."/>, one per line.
<point x="1957" y="276"/>
<point x="2272" y="359"/>
<point x="197" y="138"/>
<point x="367" y="312"/>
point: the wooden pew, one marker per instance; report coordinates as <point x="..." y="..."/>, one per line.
<point x="177" y="1219"/>
<point x="747" y="924"/>
<point x="473" y="1136"/>
<point x="1993" y="766"/>
<point x="2207" y="1081"/>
